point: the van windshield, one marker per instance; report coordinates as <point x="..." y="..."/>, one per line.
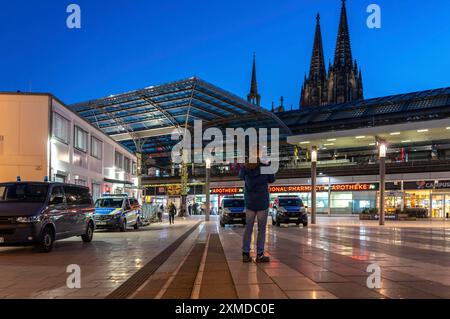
<point x="290" y="202"/>
<point x="109" y="203"/>
<point x="234" y="203"/>
<point x="23" y="193"/>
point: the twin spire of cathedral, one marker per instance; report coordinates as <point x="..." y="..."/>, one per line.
<point x="342" y="83"/>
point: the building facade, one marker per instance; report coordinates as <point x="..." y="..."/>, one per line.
<point x="42" y="138"/>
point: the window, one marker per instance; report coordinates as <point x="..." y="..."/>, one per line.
<point x="23" y="193"/>
<point x="127" y="163"/>
<point x="57" y="196"/>
<point x="134" y="169"/>
<point x="80" y="182"/>
<point x="61" y="128"/>
<point x="81" y="139"/>
<point x="60" y="178"/>
<point x="118" y="160"/>
<point x="77" y="195"/>
<point x="96" y="148"/>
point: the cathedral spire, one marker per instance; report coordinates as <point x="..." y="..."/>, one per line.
<point x="317" y="68"/>
<point x="343" y="54"/>
<point x="253" y="96"/>
<point x="344" y="77"/>
<point x="314" y="86"/>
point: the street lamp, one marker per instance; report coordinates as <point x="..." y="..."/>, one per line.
<point x="313" y="185"/>
<point x="382" y="154"/>
<point x="208" y="200"/>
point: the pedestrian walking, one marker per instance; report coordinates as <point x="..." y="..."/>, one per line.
<point x="172" y="213"/>
<point x="257" y="205"/>
<point x="160" y="213"/>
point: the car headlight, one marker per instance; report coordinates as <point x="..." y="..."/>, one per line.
<point x="28" y="220"/>
<point x="226" y="212"/>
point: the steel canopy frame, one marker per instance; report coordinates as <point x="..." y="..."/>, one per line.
<point x="175" y="104"/>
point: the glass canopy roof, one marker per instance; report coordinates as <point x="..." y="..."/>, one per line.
<point x="147" y="117"/>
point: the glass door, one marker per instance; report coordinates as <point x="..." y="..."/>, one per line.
<point x="438" y="204"/>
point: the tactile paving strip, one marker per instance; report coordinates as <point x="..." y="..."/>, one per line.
<point x="141" y="276"/>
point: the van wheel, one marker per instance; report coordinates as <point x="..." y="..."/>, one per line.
<point x="47" y="239"/>
<point x="136" y="226"/>
<point x="87" y="237"/>
<point x="123" y="227"/>
<point x="305" y="224"/>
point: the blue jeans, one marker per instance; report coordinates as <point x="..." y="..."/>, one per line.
<point x="250" y="222"/>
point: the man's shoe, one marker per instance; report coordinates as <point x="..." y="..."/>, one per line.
<point x="260" y="259"/>
<point x="246" y="258"/>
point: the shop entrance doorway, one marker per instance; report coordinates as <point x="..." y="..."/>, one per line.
<point x="440" y="205"/>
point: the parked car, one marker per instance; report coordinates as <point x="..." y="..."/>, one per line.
<point x="289" y="210"/>
<point x="117" y="212"/>
<point x="232" y="211"/>
<point x="38" y="213"/>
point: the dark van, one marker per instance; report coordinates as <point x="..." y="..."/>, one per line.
<point x="35" y="213"/>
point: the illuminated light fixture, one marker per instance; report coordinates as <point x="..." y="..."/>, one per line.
<point x="406" y="141"/>
<point x="331" y="140"/>
<point x="360" y="137"/>
<point x="328" y="144"/>
<point x="372" y="144"/>
<point x="383" y="149"/>
<point x="306" y="142"/>
<point x="447" y="128"/>
<point x="422" y="131"/>
<point x="395" y="133"/>
<point x="314" y="156"/>
<point x="208" y="163"/>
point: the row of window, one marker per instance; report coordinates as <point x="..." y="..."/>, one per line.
<point x="61" y="131"/>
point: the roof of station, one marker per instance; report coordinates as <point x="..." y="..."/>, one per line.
<point x="151" y="114"/>
<point x="394" y="109"/>
<point x="399" y="119"/>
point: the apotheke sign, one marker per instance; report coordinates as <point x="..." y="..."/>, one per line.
<point x="300" y="189"/>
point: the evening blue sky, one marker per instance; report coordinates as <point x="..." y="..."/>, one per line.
<point x="125" y="45"/>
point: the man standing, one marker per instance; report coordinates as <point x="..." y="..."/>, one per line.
<point x="172" y="213"/>
<point x="257" y="205"/>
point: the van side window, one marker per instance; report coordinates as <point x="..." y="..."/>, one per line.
<point x="57" y="196"/>
<point x="77" y="196"/>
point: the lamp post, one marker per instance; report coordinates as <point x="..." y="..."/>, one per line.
<point x="382" y="154"/>
<point x="208" y="200"/>
<point x="313" y="185"/>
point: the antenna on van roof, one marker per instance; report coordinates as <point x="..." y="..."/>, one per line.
<point x="46" y="179"/>
<point x="18" y="179"/>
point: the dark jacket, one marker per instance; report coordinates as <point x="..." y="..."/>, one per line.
<point x="256" y="188"/>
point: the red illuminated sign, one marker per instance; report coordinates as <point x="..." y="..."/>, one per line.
<point x="227" y="190"/>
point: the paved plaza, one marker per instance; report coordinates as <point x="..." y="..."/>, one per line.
<point x="198" y="260"/>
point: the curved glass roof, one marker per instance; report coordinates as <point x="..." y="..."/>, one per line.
<point x="147" y="117"/>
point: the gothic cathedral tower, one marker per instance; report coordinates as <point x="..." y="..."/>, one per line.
<point x="344" y="80"/>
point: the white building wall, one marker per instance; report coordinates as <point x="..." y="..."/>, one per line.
<point x="81" y="167"/>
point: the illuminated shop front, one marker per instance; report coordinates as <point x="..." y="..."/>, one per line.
<point x="338" y="199"/>
<point x="163" y="194"/>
